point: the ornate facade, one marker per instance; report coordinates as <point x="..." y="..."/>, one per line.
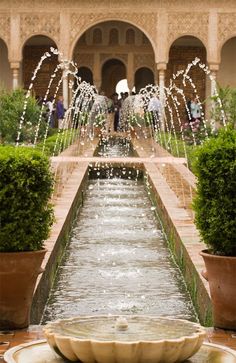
<point x="158" y="35"/>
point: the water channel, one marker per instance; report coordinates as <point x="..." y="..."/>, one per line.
<point x="117" y="260"/>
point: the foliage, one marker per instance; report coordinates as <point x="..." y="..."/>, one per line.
<point x="100" y="120"/>
<point x="11" y="109"/>
<point x="51" y="145"/>
<point x="59" y="141"/>
<point x="136" y="119"/>
<point x="26" y="185"/>
<point x="227" y="96"/>
<point x="215" y="202"/>
<point x="176" y="146"/>
<point x="195" y="132"/>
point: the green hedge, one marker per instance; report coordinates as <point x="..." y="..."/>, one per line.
<point x="176" y="146"/>
<point x="26" y="185"/>
<point x="215" y="202"/>
<point x="58" y="142"/>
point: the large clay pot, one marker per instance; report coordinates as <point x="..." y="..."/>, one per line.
<point x="18" y="275"/>
<point x="221" y="275"/>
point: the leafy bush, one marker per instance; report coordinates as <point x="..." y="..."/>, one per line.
<point x="26" y="185"/>
<point x="176" y="146"/>
<point x="227" y="96"/>
<point x="195" y="133"/>
<point x="215" y="202"/>
<point x="56" y="143"/>
<point x="11" y="109"/>
<point x="138" y="120"/>
<point x="49" y="145"/>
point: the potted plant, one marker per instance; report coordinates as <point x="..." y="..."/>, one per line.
<point x="215" y="217"/>
<point x="26" y="215"/>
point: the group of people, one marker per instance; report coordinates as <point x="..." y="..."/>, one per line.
<point x="114" y="105"/>
<point x="55" y="111"/>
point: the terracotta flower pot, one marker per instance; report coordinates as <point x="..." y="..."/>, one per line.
<point x="18" y="275"/>
<point x="221" y="275"/>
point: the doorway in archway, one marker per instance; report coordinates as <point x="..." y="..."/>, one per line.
<point x="113" y="71"/>
<point x="143" y="77"/>
<point x="33" y="50"/>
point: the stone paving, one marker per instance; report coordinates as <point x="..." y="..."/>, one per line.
<point x="175" y="186"/>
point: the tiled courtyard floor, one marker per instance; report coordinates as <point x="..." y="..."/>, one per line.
<point x="34" y="332"/>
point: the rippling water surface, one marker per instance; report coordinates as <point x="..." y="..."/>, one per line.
<point x="117" y="261"/>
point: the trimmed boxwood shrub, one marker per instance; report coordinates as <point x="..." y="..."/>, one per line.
<point x="26" y="185"/>
<point x="215" y="202"/>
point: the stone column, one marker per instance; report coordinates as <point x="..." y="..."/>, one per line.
<point x="130" y="85"/>
<point x="97" y="80"/>
<point x="15" y="49"/>
<point x="130" y="72"/>
<point x="214" y="69"/>
<point x="211" y="88"/>
<point x="97" y="83"/>
<point x="15" y="66"/>
<point x="64" y="48"/>
<point x="212" y="59"/>
<point x="161" y="67"/>
<point x="65" y="89"/>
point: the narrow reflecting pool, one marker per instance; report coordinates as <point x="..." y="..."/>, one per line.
<point x="117" y="260"/>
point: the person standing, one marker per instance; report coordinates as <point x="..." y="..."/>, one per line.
<point x="50" y="111"/>
<point x="116" y="104"/>
<point x="110" y="116"/>
<point x="154" y="107"/>
<point x="60" y="112"/>
<point x="195" y="110"/>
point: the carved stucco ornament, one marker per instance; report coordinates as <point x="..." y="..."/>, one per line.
<point x="144" y="21"/>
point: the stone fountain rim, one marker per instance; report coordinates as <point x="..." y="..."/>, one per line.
<point x="9" y="354"/>
<point x="200" y="331"/>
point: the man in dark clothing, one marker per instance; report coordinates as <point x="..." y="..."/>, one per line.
<point x="60" y="112"/>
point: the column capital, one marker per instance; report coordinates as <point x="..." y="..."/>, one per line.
<point x="213" y="66"/>
<point x="14" y="64"/>
<point x="161" y="66"/>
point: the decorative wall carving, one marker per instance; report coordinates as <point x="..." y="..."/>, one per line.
<point x="144" y="60"/>
<point x="146" y="21"/>
<point x="94" y="4"/>
<point x="5" y="27"/>
<point x="122" y="57"/>
<point x="106" y="56"/>
<point x="226" y="26"/>
<point x="187" y="23"/>
<point x="84" y="60"/>
<point x="46" y="24"/>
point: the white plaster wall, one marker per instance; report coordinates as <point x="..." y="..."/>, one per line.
<point x="227" y="71"/>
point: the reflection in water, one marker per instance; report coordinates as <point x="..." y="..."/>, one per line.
<point x="117" y="261"/>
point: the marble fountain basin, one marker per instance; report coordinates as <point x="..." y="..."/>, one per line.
<point x="129" y="339"/>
